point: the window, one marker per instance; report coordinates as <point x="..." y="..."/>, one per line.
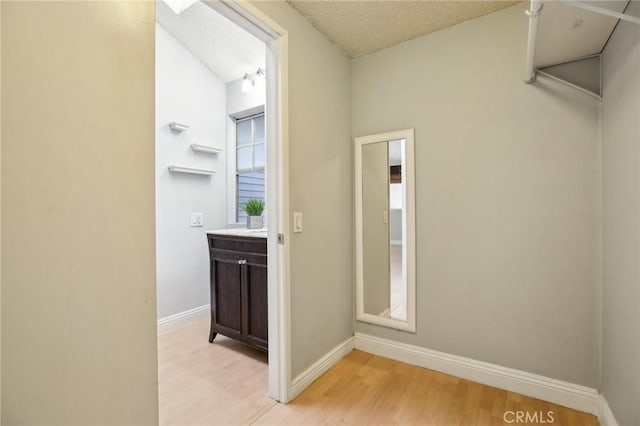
<point x="250" y="162"/>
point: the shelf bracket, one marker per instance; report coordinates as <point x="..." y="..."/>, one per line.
<point x="178" y="127"/>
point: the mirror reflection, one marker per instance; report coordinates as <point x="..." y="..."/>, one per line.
<point x="383" y="228"/>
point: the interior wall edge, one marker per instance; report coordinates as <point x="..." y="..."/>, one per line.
<point x="0" y="213"/>
<point x="620" y="347"/>
<point x="321" y="366"/>
<point x="320" y="159"/>
<point x="605" y="415"/>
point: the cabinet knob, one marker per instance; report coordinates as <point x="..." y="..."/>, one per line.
<point x="242" y="262"/>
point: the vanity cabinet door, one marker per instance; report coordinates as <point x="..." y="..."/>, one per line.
<point x="226" y="294"/>
<point x="256" y="301"/>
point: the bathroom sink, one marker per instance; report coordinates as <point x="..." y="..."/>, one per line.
<point x="258" y="233"/>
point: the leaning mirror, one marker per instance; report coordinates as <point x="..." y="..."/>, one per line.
<point x="385" y="222"/>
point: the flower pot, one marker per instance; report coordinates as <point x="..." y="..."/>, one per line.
<point x="254" y="222"/>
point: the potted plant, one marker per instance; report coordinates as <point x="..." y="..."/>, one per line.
<point x="254" y="209"/>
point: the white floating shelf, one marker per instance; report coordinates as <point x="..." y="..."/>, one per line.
<point x="190" y="170"/>
<point x="205" y="148"/>
<point x="178" y="127"/>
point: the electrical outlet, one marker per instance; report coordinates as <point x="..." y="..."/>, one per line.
<point x="197" y="220"/>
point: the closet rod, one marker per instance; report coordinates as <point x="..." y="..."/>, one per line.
<point x="533" y="13"/>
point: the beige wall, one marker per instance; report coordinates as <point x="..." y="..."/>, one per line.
<point x="621" y="221"/>
<point x="505" y="196"/>
<point x="321" y="182"/>
<point x="0" y="214"/>
<point x="78" y="282"/>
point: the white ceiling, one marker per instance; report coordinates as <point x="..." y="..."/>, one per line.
<point x="566" y="32"/>
<point x="226" y="49"/>
<point x="363" y="27"/>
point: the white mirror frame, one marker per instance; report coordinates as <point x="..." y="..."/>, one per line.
<point x="408" y="231"/>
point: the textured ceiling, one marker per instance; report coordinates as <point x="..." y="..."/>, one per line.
<point x="363" y="27"/>
<point x="225" y="48"/>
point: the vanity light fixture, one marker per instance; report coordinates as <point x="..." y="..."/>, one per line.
<point x="248" y="83"/>
<point x="249" y="80"/>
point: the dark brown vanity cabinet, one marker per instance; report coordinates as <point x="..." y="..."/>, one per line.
<point x="239" y="288"/>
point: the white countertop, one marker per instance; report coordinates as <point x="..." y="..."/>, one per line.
<point x="241" y="232"/>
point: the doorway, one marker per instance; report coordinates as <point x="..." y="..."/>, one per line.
<point x="275" y="118"/>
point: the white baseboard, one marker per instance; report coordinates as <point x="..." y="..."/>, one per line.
<point x="304" y="379"/>
<point x="570" y="395"/>
<point x="605" y="415"/>
<point x="182" y="318"/>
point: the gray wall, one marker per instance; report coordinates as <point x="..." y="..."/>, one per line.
<point x="506" y="198"/>
<point x="621" y="222"/>
<point x="78" y="256"/>
<point x="321" y="185"/>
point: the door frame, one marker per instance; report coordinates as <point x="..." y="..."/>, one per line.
<point x="276" y="39"/>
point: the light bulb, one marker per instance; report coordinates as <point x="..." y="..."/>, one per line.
<point x="247" y="84"/>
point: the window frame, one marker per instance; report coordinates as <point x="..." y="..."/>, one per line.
<point x="231" y="163"/>
<point x="252" y="143"/>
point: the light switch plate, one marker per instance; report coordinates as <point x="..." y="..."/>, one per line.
<point x="297" y="222"/>
<point x="197" y="220"/>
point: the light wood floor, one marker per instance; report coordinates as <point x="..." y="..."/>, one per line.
<point x="225" y="383"/>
